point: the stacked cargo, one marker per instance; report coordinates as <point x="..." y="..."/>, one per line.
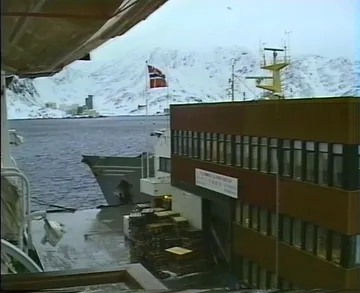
<point x="155" y="231"/>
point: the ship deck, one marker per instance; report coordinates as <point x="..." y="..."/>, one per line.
<point x="93" y="239"/>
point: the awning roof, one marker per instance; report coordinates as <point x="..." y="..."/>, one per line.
<point x="40" y="37"/>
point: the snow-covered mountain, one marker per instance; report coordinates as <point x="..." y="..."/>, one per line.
<point x="182" y="38"/>
<point x="119" y="85"/>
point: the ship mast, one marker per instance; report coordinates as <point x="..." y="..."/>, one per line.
<point x="275" y="88"/>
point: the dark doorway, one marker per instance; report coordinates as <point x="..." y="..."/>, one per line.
<point x="217" y="230"/>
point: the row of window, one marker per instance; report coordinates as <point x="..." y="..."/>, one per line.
<point x="326" y="244"/>
<point x="317" y="162"/>
<point x="255" y="276"/>
<point x="165" y="164"/>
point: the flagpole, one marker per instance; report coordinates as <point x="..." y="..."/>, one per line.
<point x="146" y="114"/>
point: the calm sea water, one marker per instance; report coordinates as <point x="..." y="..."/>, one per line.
<point x="51" y="154"/>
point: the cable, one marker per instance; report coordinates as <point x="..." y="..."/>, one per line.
<point x="43" y="203"/>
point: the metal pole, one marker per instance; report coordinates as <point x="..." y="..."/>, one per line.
<point x="277" y="205"/>
<point x="5" y="139"/>
<point x="146" y="114"/>
<point x="232" y="82"/>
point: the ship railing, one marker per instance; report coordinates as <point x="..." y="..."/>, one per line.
<point x="270" y="61"/>
<point x="23" y="185"/>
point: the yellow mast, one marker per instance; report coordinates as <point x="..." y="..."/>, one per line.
<point x="275" y="67"/>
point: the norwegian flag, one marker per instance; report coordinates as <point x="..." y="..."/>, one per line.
<point x="156" y="77"/>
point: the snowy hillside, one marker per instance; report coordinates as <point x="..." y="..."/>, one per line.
<point x="119" y="85"/>
<point x="197" y="68"/>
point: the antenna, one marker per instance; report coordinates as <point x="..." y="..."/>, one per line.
<point x="287" y="34"/>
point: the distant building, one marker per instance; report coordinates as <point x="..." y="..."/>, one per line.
<point x="51" y="105"/>
<point x="89" y="102"/>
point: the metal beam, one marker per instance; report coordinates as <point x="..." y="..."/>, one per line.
<point x="134" y="276"/>
<point x="56" y="15"/>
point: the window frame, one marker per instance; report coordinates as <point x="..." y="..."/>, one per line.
<point x="337" y="152"/>
<point x="286" y="148"/>
<point x="264" y="149"/>
<point x="310" y="167"/>
<point x="286" y="221"/>
<point x="229" y="151"/>
<point x="301" y="233"/>
<point x="202" y="146"/>
<point x="323" y="150"/>
<point x="245" y="145"/>
<point x="297" y="154"/>
<point x="221" y="148"/>
<point x="254" y="149"/>
<point x="175" y="146"/>
<point x="326" y="242"/>
<point x="164" y="165"/>
<point x="214" y="148"/>
<point x="185" y="143"/>
<point x="190" y="147"/>
<point x="180" y="143"/>
<point x="208" y="146"/>
<point x="195" y="144"/>
<point x="238" y="151"/>
<point x="312" y="241"/>
<point x="274" y="152"/>
<point x="245" y="211"/>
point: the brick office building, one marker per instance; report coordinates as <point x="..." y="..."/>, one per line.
<point x="293" y="160"/>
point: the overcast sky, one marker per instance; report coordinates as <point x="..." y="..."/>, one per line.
<point x="324" y="27"/>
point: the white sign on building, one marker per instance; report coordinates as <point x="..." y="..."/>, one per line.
<point x="217" y="182"/>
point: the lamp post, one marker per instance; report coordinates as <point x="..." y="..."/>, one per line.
<point x="232" y="80"/>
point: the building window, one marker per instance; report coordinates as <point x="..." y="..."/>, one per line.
<point x="273" y="284"/>
<point x="180" y="149"/>
<point x="297" y="159"/>
<point x="273" y="155"/>
<point x="263" y="221"/>
<point x="357" y="250"/>
<point x="245" y="152"/>
<point x="285" y="285"/>
<point x="185" y="143"/>
<point x="165" y="164"/>
<point x="254" y="153"/>
<point x="202" y="146"/>
<point x="322" y="240"/>
<point x="245" y="215"/>
<point x="297" y="233"/>
<point x="309" y="237"/>
<point x="263" y="154"/>
<point x="358" y="166"/>
<point x="286" y="150"/>
<point x="208" y="147"/>
<point x="175" y="142"/>
<point x="228" y="149"/>
<point x="221" y="148"/>
<point x="238" y="211"/>
<point x="262" y="279"/>
<point x="335" y="247"/>
<point x="337" y="163"/>
<point x="323" y="176"/>
<point x="310" y="161"/>
<point x="254" y="218"/>
<point x="195" y="145"/>
<point x="286" y="229"/>
<point x="214" y="148"/>
<point x="254" y="274"/>
<point x="190" y="144"/>
<point x="273" y="226"/>
<point x="245" y="271"/>
<point x="238" y="150"/>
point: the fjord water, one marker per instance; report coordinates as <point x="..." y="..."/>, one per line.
<point x="51" y="154"/>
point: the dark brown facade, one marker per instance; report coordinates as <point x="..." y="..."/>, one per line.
<point x="313" y="147"/>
